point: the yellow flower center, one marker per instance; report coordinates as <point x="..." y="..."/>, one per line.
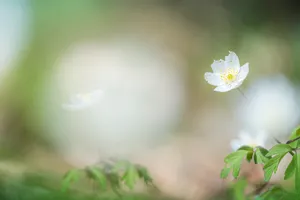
<point x="229" y="76"/>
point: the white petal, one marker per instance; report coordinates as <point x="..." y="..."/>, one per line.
<point x="245" y="138"/>
<point x="236" y="84"/>
<point x="244" y="70"/>
<point x="235" y="144"/>
<point x="218" y="66"/>
<point x="232" y="61"/>
<point x="223" y="88"/>
<point x="213" y="79"/>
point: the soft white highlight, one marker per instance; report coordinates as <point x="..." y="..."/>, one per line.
<point x="142" y="103"/>
<point x="272" y="106"/>
<point x="83" y="100"/>
<point x="227" y="74"/>
<point x="250" y="139"/>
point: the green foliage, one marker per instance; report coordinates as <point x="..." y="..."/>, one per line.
<point x="239" y="190"/>
<point x="111" y="174"/>
<point x="97" y="174"/>
<point x="290" y="170"/>
<point x="260" y="156"/>
<point x="294" y="135"/>
<point x="130" y="176"/>
<point x="272" y="165"/>
<point x="234" y="161"/>
<point x="280" y="149"/>
<point x="270" y="159"/>
<point x="297" y="178"/>
<point x="70" y="177"/>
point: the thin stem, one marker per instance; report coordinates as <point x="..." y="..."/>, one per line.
<point x="242" y="93"/>
<point x="293" y="140"/>
<point x="277" y="140"/>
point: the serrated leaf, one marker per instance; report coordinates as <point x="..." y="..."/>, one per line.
<point x="236" y="167"/>
<point x="259" y="158"/>
<point x="225" y="172"/>
<point x="70" y="177"/>
<point x="130" y="177"/>
<point x="271" y="166"/>
<point x="297" y="176"/>
<point x="235" y="156"/>
<point x="290" y="170"/>
<point x="279" y="149"/>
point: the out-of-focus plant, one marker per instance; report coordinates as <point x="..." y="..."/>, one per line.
<point x="228" y="75"/>
<point x="270" y="159"/>
<point x="112" y="174"/>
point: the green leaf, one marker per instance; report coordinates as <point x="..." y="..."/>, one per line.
<point x="98" y="175"/>
<point x="225" y="172"/>
<point x="297" y="177"/>
<point x="279" y="149"/>
<point x="143" y="173"/>
<point x="259" y="158"/>
<point x="263" y="151"/>
<point x="235" y="156"/>
<point x="271" y="166"/>
<point x="236" y="167"/>
<point x="239" y="189"/>
<point x="273" y="193"/>
<point x="249" y="156"/>
<point x="246" y="148"/>
<point x="130" y="177"/>
<point x="295" y="134"/>
<point x="71" y="176"/>
<point x="290" y="170"/>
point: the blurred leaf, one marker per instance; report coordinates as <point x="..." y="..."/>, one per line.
<point x="246" y="148"/>
<point x="271" y="166"/>
<point x="130" y="177"/>
<point x="273" y="193"/>
<point x="236" y="169"/>
<point x="297" y="177"/>
<point x="143" y="173"/>
<point x="225" y="172"/>
<point x="239" y="189"/>
<point x="97" y="175"/>
<point x="290" y="170"/>
<point x="249" y="156"/>
<point x="71" y="176"/>
<point x="279" y="149"/>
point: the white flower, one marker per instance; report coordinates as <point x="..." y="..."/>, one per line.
<point x="228" y="74"/>
<point x="82" y="101"/>
<point x="247" y="139"/>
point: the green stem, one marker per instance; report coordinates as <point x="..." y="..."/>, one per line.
<point x="293" y="140"/>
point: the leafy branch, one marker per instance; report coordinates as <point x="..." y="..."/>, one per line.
<point x="270" y="160"/>
<point x="110" y="175"/>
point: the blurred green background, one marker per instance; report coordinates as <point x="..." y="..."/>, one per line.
<point x="150" y="57"/>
